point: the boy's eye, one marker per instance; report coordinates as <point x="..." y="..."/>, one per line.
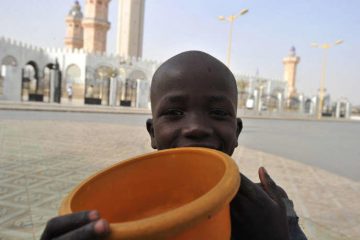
<point x="219" y="113"/>
<point x="174" y="112"/>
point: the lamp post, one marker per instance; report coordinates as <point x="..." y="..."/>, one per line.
<point x="231" y="19"/>
<point x="326" y="47"/>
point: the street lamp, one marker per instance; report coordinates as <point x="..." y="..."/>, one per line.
<point x="326" y="47"/>
<point x="231" y="19"/>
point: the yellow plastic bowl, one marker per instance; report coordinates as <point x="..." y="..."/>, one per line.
<point x="181" y="193"/>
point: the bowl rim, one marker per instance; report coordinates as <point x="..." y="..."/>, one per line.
<point x="177" y="219"/>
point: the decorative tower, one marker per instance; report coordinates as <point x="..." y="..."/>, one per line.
<point x="131" y="28"/>
<point x="290" y="63"/>
<point x="74" y="32"/>
<point x="96" y="25"/>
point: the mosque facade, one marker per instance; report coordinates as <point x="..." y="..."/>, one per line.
<point x="31" y="73"/>
<point x="85" y="71"/>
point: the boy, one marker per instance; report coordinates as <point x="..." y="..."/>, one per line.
<point x="194" y="103"/>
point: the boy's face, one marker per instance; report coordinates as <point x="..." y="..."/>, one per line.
<point x="194" y="106"/>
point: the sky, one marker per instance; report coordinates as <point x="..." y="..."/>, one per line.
<point x="261" y="38"/>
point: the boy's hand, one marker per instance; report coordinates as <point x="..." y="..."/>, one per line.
<point x="85" y="225"/>
<point x="257" y="211"/>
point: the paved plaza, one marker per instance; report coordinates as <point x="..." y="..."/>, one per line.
<point x="42" y="160"/>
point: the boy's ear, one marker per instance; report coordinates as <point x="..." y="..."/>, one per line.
<point x="150" y="129"/>
<point x="239" y="126"/>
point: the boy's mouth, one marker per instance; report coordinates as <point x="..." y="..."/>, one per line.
<point x="201" y="145"/>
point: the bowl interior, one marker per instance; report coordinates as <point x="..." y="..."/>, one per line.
<point x="149" y="185"/>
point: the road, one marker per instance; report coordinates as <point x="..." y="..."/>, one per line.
<point x="330" y="145"/>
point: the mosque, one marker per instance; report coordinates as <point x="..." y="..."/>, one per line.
<point x="31" y="73"/>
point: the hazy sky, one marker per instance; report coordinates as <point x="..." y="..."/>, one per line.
<point x="261" y="38"/>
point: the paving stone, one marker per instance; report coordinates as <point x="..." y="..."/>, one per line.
<point x="41" y="161"/>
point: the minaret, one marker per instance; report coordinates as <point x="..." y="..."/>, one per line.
<point x="96" y="25"/>
<point x="290" y="63"/>
<point x="130" y="28"/>
<point x="74" y="31"/>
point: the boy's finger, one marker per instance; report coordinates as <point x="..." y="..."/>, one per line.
<point x="269" y="185"/>
<point x="94" y="230"/>
<point x="63" y="224"/>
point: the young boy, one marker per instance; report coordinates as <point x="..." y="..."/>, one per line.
<point x="194" y="103"/>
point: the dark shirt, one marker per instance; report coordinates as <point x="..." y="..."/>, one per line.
<point x="243" y="233"/>
<point x="295" y="231"/>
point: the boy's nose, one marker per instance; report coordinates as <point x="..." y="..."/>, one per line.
<point x="197" y="128"/>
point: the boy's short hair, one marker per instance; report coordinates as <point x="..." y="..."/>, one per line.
<point x="196" y="58"/>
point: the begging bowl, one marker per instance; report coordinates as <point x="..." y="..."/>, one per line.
<point x="181" y="193"/>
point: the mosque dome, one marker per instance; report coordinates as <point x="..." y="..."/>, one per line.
<point x="75" y="11"/>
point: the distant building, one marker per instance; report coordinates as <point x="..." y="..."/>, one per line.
<point x="89" y="31"/>
<point x="74" y="38"/>
<point x="30" y="73"/>
<point x="27" y="73"/>
<point x="131" y="28"/>
<point x="290" y="64"/>
<point x="263" y="94"/>
<point x="259" y="93"/>
<point x="95" y="25"/>
<point x="43" y="74"/>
